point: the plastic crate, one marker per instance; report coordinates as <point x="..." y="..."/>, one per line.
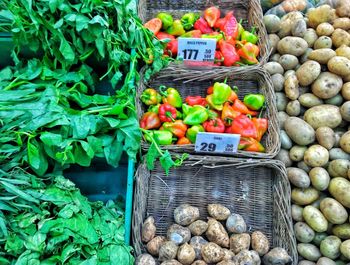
<point x="102" y="182"/>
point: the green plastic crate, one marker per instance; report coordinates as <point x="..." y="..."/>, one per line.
<point x="101" y="182"/>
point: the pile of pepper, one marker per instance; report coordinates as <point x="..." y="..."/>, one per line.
<point x="235" y="45"/>
<point x="169" y="120"/>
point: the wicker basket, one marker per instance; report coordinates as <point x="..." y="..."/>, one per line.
<point x="259" y="190"/>
<point x="253" y="80"/>
<point x="250" y="11"/>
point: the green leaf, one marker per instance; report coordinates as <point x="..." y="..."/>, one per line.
<point x="36" y="157"/>
<point x="51" y="139"/>
<point x="16" y="191"/>
<point x="152" y="156"/>
<point x="166" y="162"/>
<point x="66" y="50"/>
<point x="100" y="45"/>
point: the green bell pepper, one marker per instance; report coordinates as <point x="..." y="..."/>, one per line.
<point x="161" y="137"/>
<point x="176" y="29"/>
<point x="250" y="36"/>
<point x="154" y="108"/>
<point x="188" y="20"/>
<point x="254" y="101"/>
<point x="171" y="96"/>
<point x="192" y="132"/>
<point x="196" y="115"/>
<point x="186" y="109"/>
<point x="221" y="92"/>
<point x="167" y="20"/>
<point x="179" y="115"/>
<point x="240" y="30"/>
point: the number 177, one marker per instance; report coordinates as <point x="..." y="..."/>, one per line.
<point x="190" y="54"/>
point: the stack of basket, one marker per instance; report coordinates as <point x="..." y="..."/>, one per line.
<point x="249" y="183"/>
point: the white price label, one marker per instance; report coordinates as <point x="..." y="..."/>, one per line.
<point x="197" y="50"/>
<point x="223" y="143"/>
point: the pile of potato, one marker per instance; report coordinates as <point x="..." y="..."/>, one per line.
<point x="222" y="239"/>
<point x="310" y="71"/>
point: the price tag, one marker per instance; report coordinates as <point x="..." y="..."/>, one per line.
<point x="217" y="143"/>
<point x="197" y="50"/>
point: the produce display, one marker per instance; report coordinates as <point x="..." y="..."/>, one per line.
<point x="222" y="239"/>
<point x="235" y="45"/>
<point x="310" y="70"/>
<point x="172" y="120"/>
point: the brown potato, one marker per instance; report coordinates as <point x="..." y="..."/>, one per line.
<point x="216" y="233"/>
<point x="148" y="230"/>
<point x="298" y="177"/>
<point x="345" y="91"/>
<point x="340" y="37"/>
<point x="342" y="23"/>
<point x="239" y="242"/>
<point x="322" y="55"/>
<point x="197" y="242"/>
<point x="186" y="254"/>
<point x="218" y="212"/>
<point x="308" y="72"/>
<point x="343" y="51"/>
<point x="277" y="256"/>
<point x="171" y="262"/>
<point x="316" y="156"/>
<point x="178" y="234"/>
<point x="260" y="243"/>
<point x="339" y="65"/>
<point x="319" y="178"/>
<point x="304" y="196"/>
<point x="236" y="224"/>
<point x="333" y="211"/>
<point x="327" y="85"/>
<point x="345" y="111"/>
<point x="345" y="142"/>
<point x="186" y="214"/>
<point x="325" y="137"/>
<point x="154" y="245"/>
<point x="310" y="36"/>
<point x="212" y="253"/>
<point x="226" y="262"/>
<point x="297" y="152"/>
<point x="323" y="115"/>
<point x="145" y="259"/>
<point x="199" y="262"/>
<point x="228" y="254"/>
<point x="292" y="45"/>
<point x="323" y="42"/>
<point x="273" y="42"/>
<point x="339" y="168"/>
<point x="324" y="29"/>
<point x="319" y="15"/>
<point x="299" y="131"/>
<point x="198" y="227"/>
<point x="168" y="251"/>
<point x="343" y="8"/>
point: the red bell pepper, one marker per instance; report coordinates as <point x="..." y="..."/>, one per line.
<point x="228" y="129"/>
<point x="219" y="58"/>
<point x="211" y="15"/>
<point x="183" y="140"/>
<point x="196" y="100"/>
<point x="164" y="36"/>
<point x="154" y="25"/>
<point x="210" y="90"/>
<point x="172" y="48"/>
<point x="244" y="126"/>
<point x="239" y="106"/>
<point x="251" y="145"/>
<point x="214" y="125"/>
<point x="231" y="26"/>
<point x="177" y="128"/>
<point x="229" y="114"/>
<point x="150" y="120"/>
<point x="248" y="52"/>
<point x="202" y="25"/>
<point x="261" y="124"/>
<point x="233" y="96"/>
<point x="167" y="113"/>
<point x="220" y="23"/>
<point x="229" y="53"/>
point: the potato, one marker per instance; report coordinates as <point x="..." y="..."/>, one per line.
<point x="308" y="73"/>
<point x="239" y="242"/>
<point x="236" y="224"/>
<point x="345" y="249"/>
<point x="306" y="262"/>
<point x="324" y="29"/>
<point x="305" y="56"/>
<point x="212" y="253"/>
<point x="283" y="156"/>
<point x="272" y="23"/>
<point x="145" y="259"/>
<point x="186" y="254"/>
<point x="334" y="212"/>
<point x="178" y="234"/>
<point x="319" y="15"/>
<point x="255" y="257"/>
<point x="339" y="132"/>
<point x="342" y="231"/>
<point x="303" y="232"/>
<point x="345" y="142"/>
<point x="327" y="85"/>
<point x="342" y="23"/>
<point x="260" y="243"/>
<point x="228" y="254"/>
<point x="148" y="230"/>
<point x="325" y="137"/>
<point x="317" y="203"/>
<point x="316" y="156"/>
<point x="310" y="36"/>
<point x="273" y="68"/>
<point x="218" y="212"/>
<point x="323" y="115"/>
<point x="309" y="100"/>
<point x="186" y="214"/>
<point x="299" y="28"/>
<point x="282" y="117"/>
<point x="298" y="177"/>
<point x="315" y="219"/>
<point x="302" y="165"/>
<point x="286" y="142"/>
<point x="330" y="247"/>
<point x="345" y="91"/>
<point x="171" y="262"/>
<point x="277" y="81"/>
<point x="168" y="251"/>
<point x="288" y="73"/>
<point x="340" y="37"/>
<point x="339" y="188"/>
<point x="319" y="178"/>
<point x="291" y="87"/>
<point x="344" y="111"/>
<point x="325" y="261"/>
<point x="226" y="262"/>
<point x="339" y="65"/>
<point x="287" y="23"/>
<point x="198" y="227"/>
<point x="323" y="42"/>
<point x="216" y="233"/>
<point x="304" y="196"/>
<point x="277" y="256"/>
<point x="273" y="40"/>
<point x="197" y="242"/>
<point x="338" y="153"/>
<point x="343" y="51"/>
<point x="275" y="57"/>
<point x="343" y="8"/>
<point x="339" y="168"/>
<point x="244" y="257"/>
<point x="337" y="100"/>
<point x="281" y="101"/>
<point x="297" y="152"/>
<point x="292" y="45"/>
<point x="288" y="61"/>
<point x="154" y="245"/>
<point x="319" y="237"/>
<point x="299" y="131"/>
<point x="297" y="213"/>
<point x="309" y="251"/>
<point x="322" y="56"/>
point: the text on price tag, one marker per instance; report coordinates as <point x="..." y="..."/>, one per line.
<point x="217" y="143"/>
<point x="197" y="50"/>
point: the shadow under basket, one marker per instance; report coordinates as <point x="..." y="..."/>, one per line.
<point x="254" y="80"/>
<point x="258" y="190"/>
<point x="249" y="11"/>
